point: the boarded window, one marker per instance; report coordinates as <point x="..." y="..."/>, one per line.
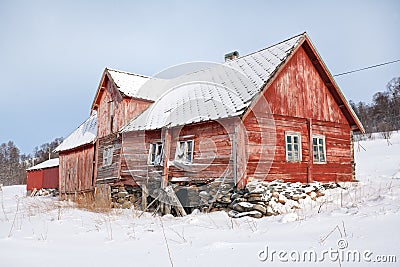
<point x="108" y="155"/>
<point x="156" y="154"/>
<point x="293" y="147"/>
<point x="319" y="149"/>
<point x="184" y="151"/>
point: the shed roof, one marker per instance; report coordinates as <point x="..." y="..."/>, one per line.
<point x="85" y="134"/>
<point x="46" y="164"/>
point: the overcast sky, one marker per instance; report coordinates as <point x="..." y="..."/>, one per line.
<point x="52" y="53"/>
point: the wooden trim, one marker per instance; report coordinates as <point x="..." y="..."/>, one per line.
<point x="310" y="151"/>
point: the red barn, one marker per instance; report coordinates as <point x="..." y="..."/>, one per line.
<point x="43" y="175"/>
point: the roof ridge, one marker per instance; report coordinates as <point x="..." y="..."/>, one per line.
<point x="129" y="73"/>
<point x="260" y="50"/>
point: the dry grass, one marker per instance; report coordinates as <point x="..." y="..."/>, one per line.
<point x="91" y="201"/>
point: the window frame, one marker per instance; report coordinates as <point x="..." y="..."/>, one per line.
<point x="185" y="155"/>
<point x="153" y="149"/>
<point x="300" y="156"/>
<point x="108" y="154"/>
<point x="323" y="138"/>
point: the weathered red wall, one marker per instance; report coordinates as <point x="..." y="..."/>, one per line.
<point x="211" y="154"/>
<point x="50" y="177"/>
<point x="34" y="179"/>
<point x="125" y="109"/>
<point x="45" y="178"/>
<point x="76" y="170"/>
<point x="298" y="93"/>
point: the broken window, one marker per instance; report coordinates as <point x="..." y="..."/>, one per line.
<point x="108" y="155"/>
<point x="319" y="148"/>
<point x="293" y="147"/>
<point x="184" y="151"/>
<point x="156" y="154"/>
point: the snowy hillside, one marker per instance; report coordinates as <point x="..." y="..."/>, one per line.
<point x="362" y="219"/>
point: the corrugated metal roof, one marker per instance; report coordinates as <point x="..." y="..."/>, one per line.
<point x="46" y="164"/>
<point x="221" y="91"/>
<point x="85" y="134"/>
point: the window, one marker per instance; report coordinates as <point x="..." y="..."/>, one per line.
<point x="293" y="147"/>
<point x="108" y="155"/>
<point x="184" y="151"/>
<point x="319" y="149"/>
<point x="156" y="154"/>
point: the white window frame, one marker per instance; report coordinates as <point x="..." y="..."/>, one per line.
<point x="182" y="148"/>
<point x="108" y="153"/>
<point x="156" y="153"/>
<point x="320" y="159"/>
<point x="293" y="144"/>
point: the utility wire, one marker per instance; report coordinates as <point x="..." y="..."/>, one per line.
<point x="370" y="67"/>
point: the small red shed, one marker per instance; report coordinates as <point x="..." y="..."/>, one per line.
<point x="43" y="175"/>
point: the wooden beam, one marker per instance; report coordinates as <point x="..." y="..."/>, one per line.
<point x="167" y="152"/>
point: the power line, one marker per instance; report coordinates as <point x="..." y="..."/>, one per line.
<point x="370" y="67"/>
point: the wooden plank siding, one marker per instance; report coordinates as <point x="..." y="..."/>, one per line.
<point x="42" y="178"/>
<point x="77" y="170"/>
<point x="211" y="152"/>
<point x="107" y="173"/>
<point x="109" y="122"/>
<point x="296" y="96"/>
<point x="124" y="109"/>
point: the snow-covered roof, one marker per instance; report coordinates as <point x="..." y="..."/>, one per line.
<point x="85" y="134"/>
<point x="46" y="164"/>
<point x="128" y="83"/>
<point x="221" y="91"/>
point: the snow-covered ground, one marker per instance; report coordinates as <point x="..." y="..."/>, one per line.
<point x="360" y="220"/>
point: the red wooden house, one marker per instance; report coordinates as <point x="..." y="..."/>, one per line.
<point x="273" y="114"/>
<point x="43" y="175"/>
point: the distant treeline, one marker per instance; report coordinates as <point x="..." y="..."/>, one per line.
<point x="13" y="164"/>
<point x="383" y="114"/>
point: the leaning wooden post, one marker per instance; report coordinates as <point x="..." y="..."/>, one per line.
<point x="166" y="154"/>
<point x="144" y="197"/>
<point x="167" y="149"/>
